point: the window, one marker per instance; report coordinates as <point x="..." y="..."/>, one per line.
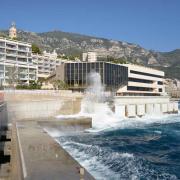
<point x="146" y="74"/>
<point x="160" y="83"/>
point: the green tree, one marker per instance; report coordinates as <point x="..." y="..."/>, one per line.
<point x="12" y="73"/>
<point x="61" y="85"/>
<point x="36" y="49"/>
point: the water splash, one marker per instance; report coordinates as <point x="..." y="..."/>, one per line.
<point x="94" y="104"/>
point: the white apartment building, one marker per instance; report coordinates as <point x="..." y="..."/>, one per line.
<point x="143" y="81"/>
<point x="89" y="56"/>
<point x="46" y="62"/>
<point x="16" y="62"/>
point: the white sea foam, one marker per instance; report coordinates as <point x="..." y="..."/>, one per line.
<point x="53" y="132"/>
<point x="106" y="164"/>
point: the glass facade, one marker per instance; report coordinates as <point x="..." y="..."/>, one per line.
<point x="112" y="75"/>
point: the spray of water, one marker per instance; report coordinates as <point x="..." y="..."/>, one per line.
<point x="94" y="104"/>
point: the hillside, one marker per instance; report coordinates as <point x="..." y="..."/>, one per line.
<point x="75" y="44"/>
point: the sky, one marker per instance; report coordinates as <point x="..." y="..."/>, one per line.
<point x="153" y="24"/>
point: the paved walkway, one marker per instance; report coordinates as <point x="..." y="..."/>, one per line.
<point x="43" y="158"/>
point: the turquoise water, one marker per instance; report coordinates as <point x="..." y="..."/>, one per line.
<point x="139" y="151"/>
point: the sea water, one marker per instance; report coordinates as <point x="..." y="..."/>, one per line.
<point x="121" y="148"/>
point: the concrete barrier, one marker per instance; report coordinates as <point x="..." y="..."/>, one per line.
<point x="157" y="108"/>
<point x="175" y="107"/>
<point x="170" y="107"/>
<point x="141" y="110"/>
<point x="164" y="108"/>
<point x="149" y="108"/>
<point x="131" y="110"/>
<point x="33" y="109"/>
<point x="35" y="104"/>
<point x="120" y="110"/>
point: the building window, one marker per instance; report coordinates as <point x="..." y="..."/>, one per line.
<point x="145" y="74"/>
<point x="140" y="80"/>
<point x="160" y="83"/>
<point x="134" y="88"/>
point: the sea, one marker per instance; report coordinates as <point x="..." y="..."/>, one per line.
<point x="141" y="151"/>
<point x="120" y="148"/>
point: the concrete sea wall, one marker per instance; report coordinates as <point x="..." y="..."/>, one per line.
<point x="140" y="105"/>
<point x="32" y="104"/>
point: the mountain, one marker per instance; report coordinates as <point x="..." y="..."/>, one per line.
<point x="75" y="44"/>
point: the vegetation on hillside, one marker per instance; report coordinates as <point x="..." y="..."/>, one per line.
<point x="36" y="49"/>
<point x="117" y="60"/>
<point x="73" y="45"/>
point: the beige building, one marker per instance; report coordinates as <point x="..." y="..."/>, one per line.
<point x="128" y="79"/>
<point x="143" y="81"/>
<point x="89" y="56"/>
<point x="46" y="62"/>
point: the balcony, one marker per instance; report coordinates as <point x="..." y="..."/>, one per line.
<point x="22" y="59"/>
<point x="2" y="57"/>
<point x="11" y="53"/>
<point x="12" y="47"/>
<point x="23" y="72"/>
<point x="32" y="77"/>
<point x="32" y="72"/>
<point x="22" y="54"/>
<point x="11" y="58"/>
<point x="23" y="77"/>
<point x="2" y="50"/>
<point x="2" y="44"/>
<point x="23" y="48"/>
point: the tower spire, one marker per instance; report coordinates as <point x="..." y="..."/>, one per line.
<point x="13" y="31"/>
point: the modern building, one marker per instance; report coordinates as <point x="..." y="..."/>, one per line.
<point x="76" y="74"/>
<point x="89" y="57"/>
<point x="16" y="62"/>
<point x="46" y="62"/>
<point x="123" y="79"/>
<point x="143" y="81"/>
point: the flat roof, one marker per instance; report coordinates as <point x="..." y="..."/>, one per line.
<point x="15" y="41"/>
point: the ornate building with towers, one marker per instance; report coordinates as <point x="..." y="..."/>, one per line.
<point x="13" y="31"/>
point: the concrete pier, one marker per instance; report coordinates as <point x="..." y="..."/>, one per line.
<point x="42" y="157"/>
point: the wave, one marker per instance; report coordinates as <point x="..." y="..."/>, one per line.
<point x="107" y="120"/>
<point x="103" y="163"/>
